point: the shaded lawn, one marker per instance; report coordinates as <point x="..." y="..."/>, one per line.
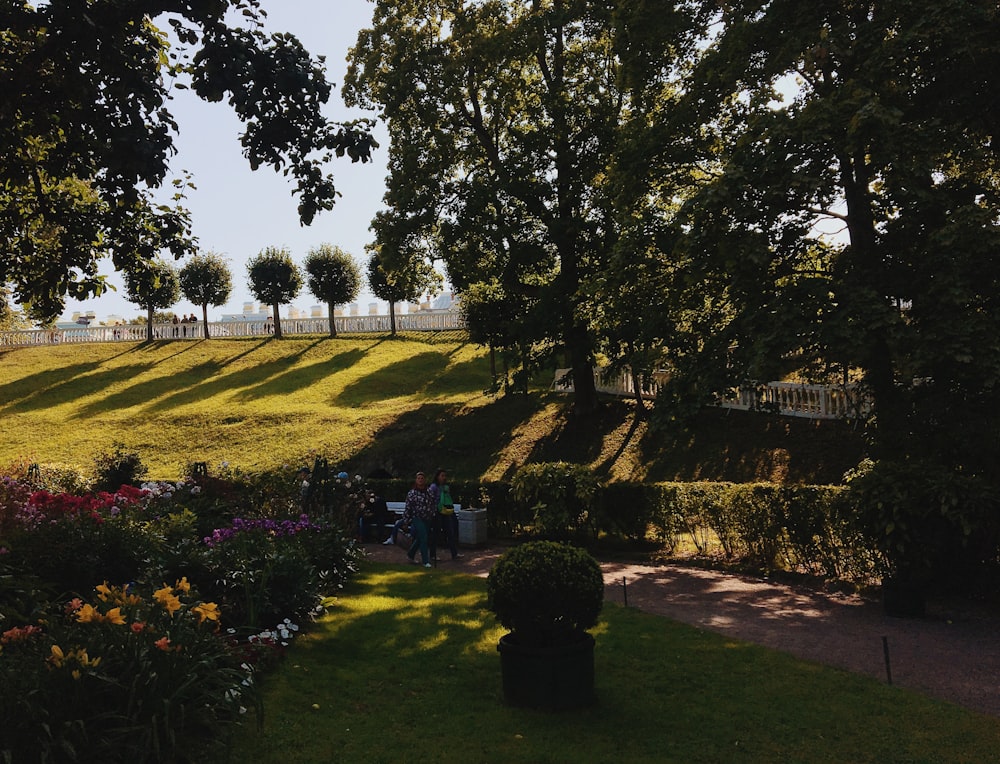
<point x="404" y="668"/>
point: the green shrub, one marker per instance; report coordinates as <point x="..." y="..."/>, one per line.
<point x="560" y="497"/>
<point x="546" y="592"/>
<point x="117" y="467"/>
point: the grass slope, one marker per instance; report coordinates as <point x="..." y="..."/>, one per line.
<point x="366" y="402"/>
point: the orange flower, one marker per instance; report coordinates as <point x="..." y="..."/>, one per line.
<point x="73" y="605"/>
<point x="183" y="585"/>
<point x="163" y="643"/>
<point x="138" y="627"/>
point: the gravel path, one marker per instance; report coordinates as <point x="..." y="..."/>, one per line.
<point x="952" y="654"/>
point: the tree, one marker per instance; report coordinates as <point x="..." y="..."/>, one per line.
<point x="205" y="280"/>
<point x="153" y="286"/>
<point x="88" y="135"/>
<point x="400" y="283"/>
<point x="275" y="280"/>
<point x="503" y="118"/>
<point x="892" y="136"/>
<point x="333" y="277"/>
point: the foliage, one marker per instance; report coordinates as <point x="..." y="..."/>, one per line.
<point x="205" y="280"/>
<point x="926" y="521"/>
<point x="560" y="496"/>
<point x="522" y="202"/>
<point x="333" y="277"/>
<point x="266" y="570"/>
<point x="73" y="542"/>
<point x="400" y="280"/>
<point x="118" y="466"/>
<point x="152" y="285"/>
<point x="79" y="182"/>
<point x="546" y="592"/>
<point x="274" y="279"/>
<point x="127" y="676"/>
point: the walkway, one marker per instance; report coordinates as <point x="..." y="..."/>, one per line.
<point x="952" y="655"/>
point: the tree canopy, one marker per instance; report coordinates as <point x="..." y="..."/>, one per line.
<point x="205" y="280"/>
<point x="88" y="134"/>
<point x="274" y="279"/>
<point x="503" y="118"/>
<point x="333" y="277"/>
<point x="152" y="285"/>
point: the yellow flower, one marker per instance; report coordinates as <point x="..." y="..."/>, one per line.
<point x="166" y="597"/>
<point x="87" y="614"/>
<point x="57" y="656"/>
<point x="115" y="616"/>
<point x="103" y="591"/>
<point x="76" y="673"/>
<point x="183" y="585"/>
<point x="206" y="610"/>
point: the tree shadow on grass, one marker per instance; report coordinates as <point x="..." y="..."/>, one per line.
<point x="466" y="441"/>
<point x="407" y="377"/>
<point x="78" y="386"/>
<point x="141" y="393"/>
<point x="302" y="377"/>
<point x="19" y="394"/>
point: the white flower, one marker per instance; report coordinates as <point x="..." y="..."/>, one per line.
<point x="195" y="490"/>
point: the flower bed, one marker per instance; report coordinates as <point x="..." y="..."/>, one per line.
<point x="102" y="659"/>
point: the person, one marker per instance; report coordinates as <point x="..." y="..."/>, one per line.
<point x="394" y="533"/>
<point x="419" y="515"/>
<point x="444" y="514"/>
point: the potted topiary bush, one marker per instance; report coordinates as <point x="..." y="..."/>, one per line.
<point x="548" y="594"/>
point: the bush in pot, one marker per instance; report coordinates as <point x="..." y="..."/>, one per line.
<point x="548" y="594"/>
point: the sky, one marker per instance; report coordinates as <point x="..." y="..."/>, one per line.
<point x="237" y="212"/>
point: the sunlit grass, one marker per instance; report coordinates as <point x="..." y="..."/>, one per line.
<point x="404" y="668"/>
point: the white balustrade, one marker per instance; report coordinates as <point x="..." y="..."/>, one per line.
<point x="436" y="321"/>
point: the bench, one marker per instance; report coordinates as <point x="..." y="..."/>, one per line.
<point x="396" y="509"/>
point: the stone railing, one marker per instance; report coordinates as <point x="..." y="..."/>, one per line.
<point x="786" y="398"/>
<point x="407" y="322"/>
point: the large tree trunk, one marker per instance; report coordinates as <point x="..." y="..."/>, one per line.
<point x="333" y="321"/>
<point x="204" y="319"/>
<point x="876" y="359"/>
<point x="392" y="318"/>
<point x="277" y="322"/>
<point x="149" y="323"/>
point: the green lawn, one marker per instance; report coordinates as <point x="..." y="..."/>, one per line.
<point x="404" y="668"/>
<point x="367" y="401"/>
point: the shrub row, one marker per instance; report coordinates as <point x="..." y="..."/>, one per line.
<point x="807" y="528"/>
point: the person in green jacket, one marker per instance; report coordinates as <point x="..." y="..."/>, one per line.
<point x="444" y="518"/>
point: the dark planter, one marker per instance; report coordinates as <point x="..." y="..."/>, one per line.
<point x="551" y="678"/>
<point x="903" y="599"/>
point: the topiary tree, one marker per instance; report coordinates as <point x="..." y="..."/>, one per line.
<point x="206" y="280"/>
<point x="274" y="279"/>
<point x="333" y="277"/>
<point x="154" y="285"/>
<point x="546" y="593"/>
<point x="399" y="284"/>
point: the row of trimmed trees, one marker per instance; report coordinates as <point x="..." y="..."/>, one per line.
<point x="273" y="278"/>
<point x="329" y="273"/>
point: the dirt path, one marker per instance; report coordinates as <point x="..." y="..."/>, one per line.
<point x="953" y="655"/>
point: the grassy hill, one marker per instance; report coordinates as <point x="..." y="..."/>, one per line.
<point x="366" y="402"/>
